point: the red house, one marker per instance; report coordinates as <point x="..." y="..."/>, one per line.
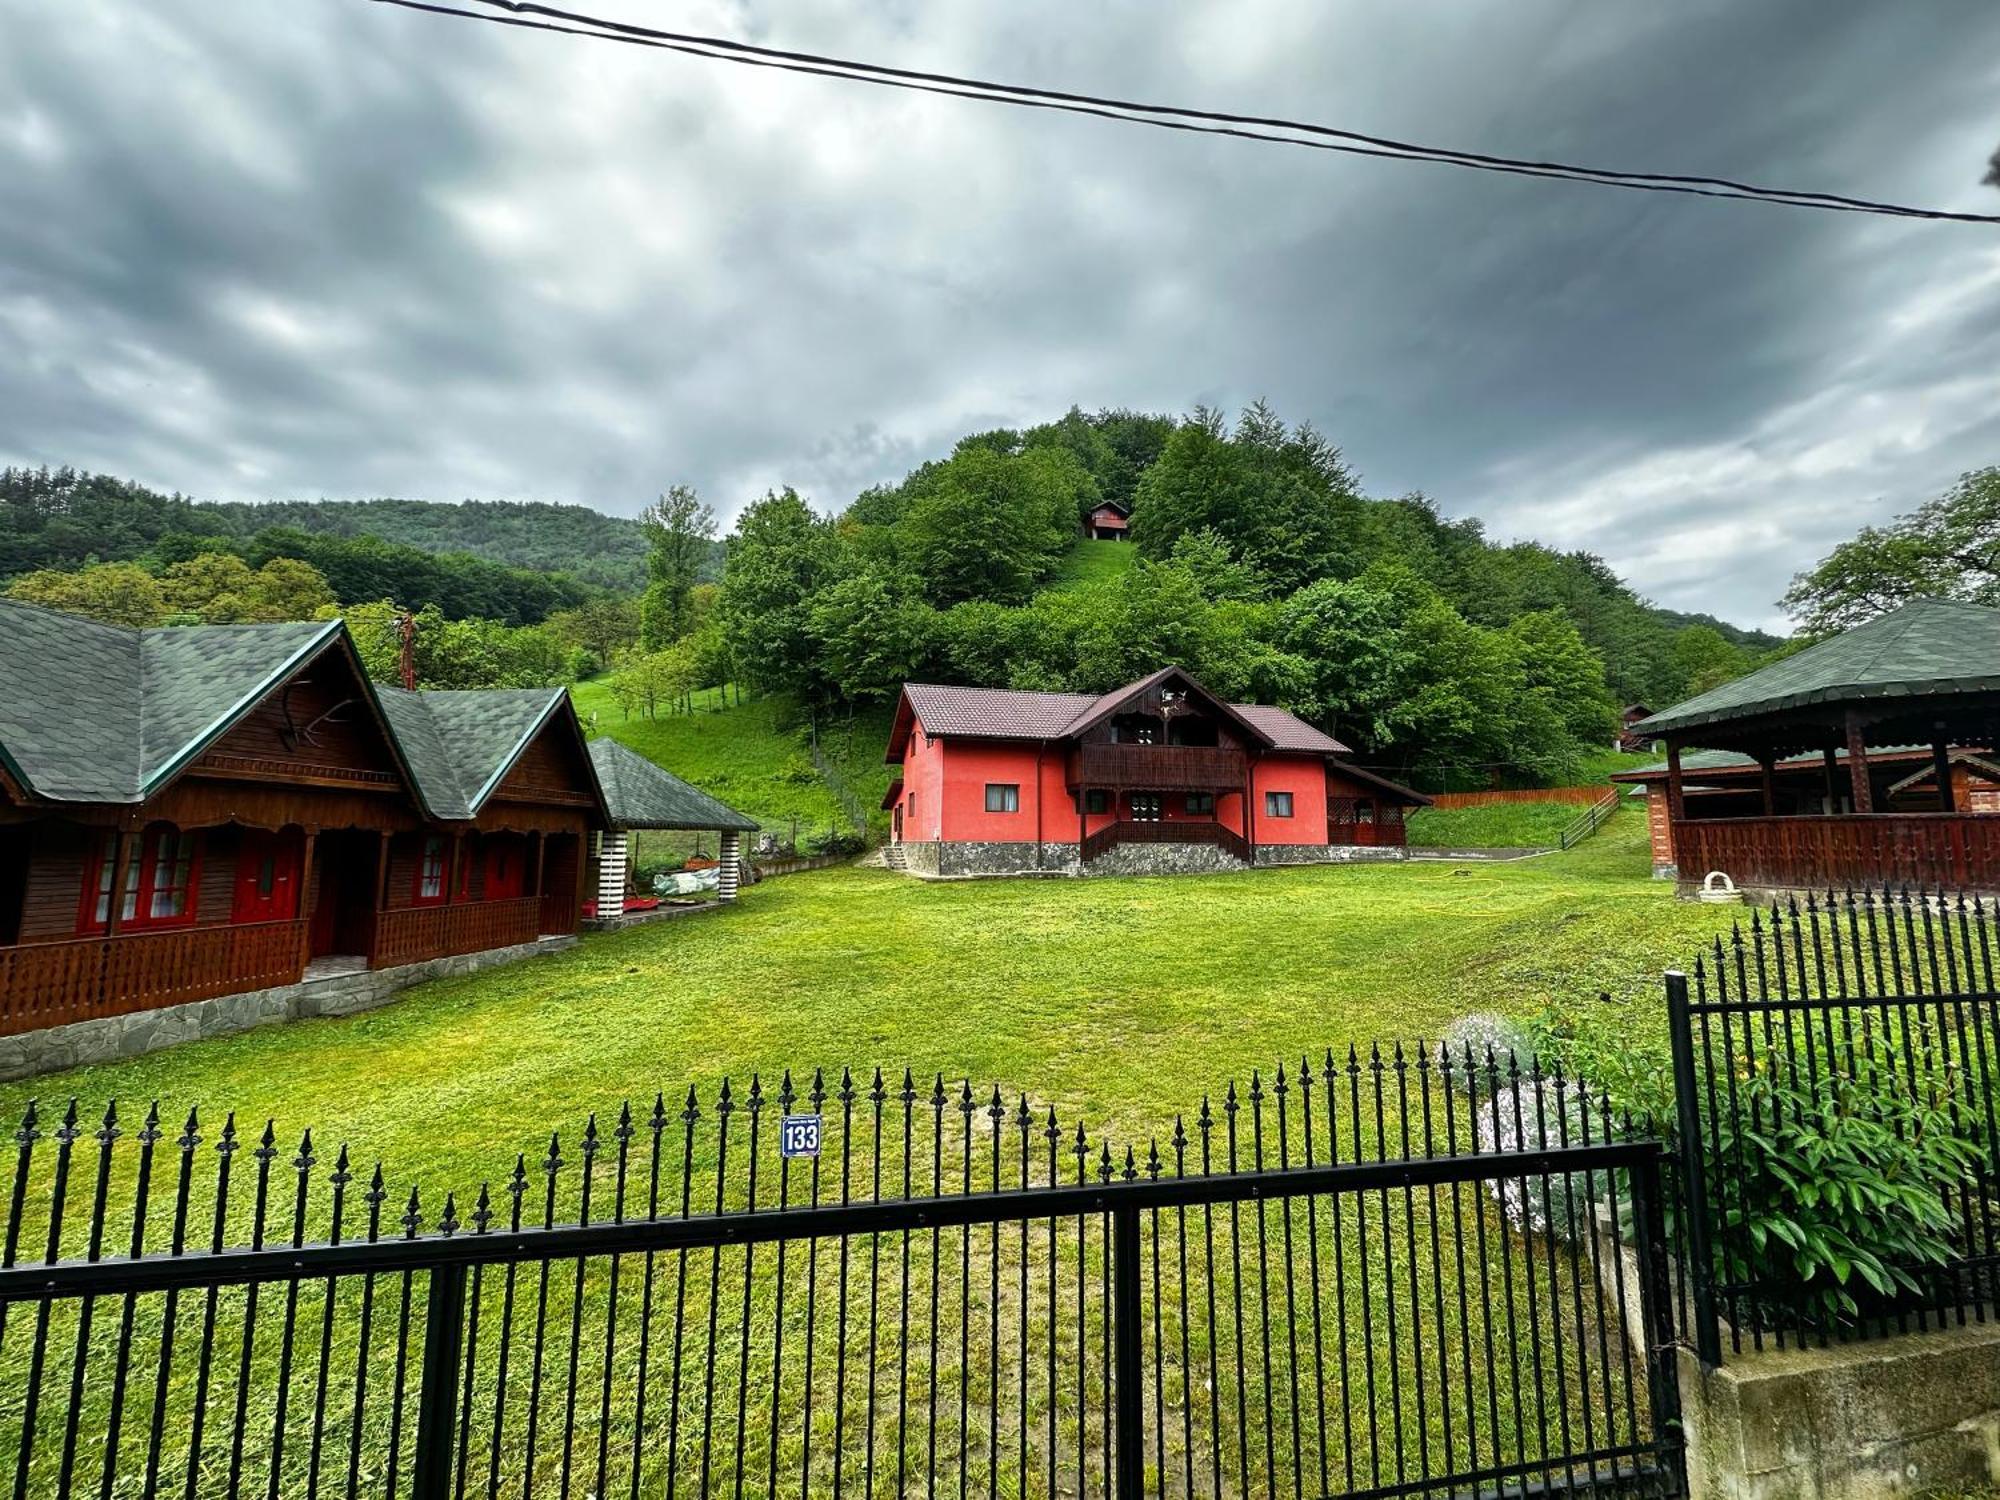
<point x="1110" y="522"/>
<point x="1159" y="776"/>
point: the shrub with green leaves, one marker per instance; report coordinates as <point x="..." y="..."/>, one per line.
<point x="1836" y="1176"/>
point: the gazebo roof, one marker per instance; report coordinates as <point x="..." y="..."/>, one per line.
<point x="641" y="794"/>
<point x="1928" y="648"/>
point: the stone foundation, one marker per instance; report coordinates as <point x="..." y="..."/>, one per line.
<point x="963" y="859"/>
<point x="1272" y="855"/>
<point x="108" y="1038"/>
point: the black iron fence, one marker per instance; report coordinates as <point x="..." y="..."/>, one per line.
<point x="1396" y="1273"/>
<point x="1834" y="1082"/>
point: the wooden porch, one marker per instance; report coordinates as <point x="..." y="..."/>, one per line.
<point x="1121" y="767"/>
<point x="1955" y="851"/>
<point x="51" y="984"/>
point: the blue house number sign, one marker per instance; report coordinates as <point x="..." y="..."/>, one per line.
<point x="798" y="1135"/>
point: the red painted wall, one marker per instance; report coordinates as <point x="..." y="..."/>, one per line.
<point x="948" y="778"/>
<point x="1305" y="778"/>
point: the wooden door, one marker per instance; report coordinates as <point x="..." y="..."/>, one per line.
<point x="267" y="877"/>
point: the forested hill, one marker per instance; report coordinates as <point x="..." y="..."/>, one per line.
<point x="61" y="518"/>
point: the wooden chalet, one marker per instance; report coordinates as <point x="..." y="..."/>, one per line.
<point x="1110" y="522"/>
<point x="1861" y="760"/>
<point x="1158" y="775"/>
<point x="194" y="812"/>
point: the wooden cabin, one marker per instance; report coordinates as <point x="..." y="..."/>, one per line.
<point x="1110" y="522"/>
<point x="194" y="812"/>
<point x="1158" y="775"/>
<point x="1861" y="760"/>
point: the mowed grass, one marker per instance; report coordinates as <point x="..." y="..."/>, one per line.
<point x="1119" y="1001"/>
<point x="1501" y="825"/>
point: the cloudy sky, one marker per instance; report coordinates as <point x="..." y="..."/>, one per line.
<point x="263" y="248"/>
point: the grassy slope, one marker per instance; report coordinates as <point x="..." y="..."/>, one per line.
<point x="1123" y="998"/>
<point x="1092" y="562"/>
<point x="1503" y="825"/>
<point x="747" y="754"/>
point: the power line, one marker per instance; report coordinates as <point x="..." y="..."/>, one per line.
<point x="1160" y="116"/>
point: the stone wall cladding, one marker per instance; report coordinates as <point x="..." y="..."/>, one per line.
<point x="973" y="857"/>
<point x="1164" y="859"/>
<point x="108" y="1038"/>
<point x="921" y="858"/>
<point x="1328" y="854"/>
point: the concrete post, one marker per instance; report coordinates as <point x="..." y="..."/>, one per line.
<point x="730" y="870"/>
<point x="611" y="876"/>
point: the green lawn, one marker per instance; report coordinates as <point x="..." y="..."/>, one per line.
<point x="1121" y="999"/>
<point x="1120" y="1002"/>
<point x="1501" y="825"/>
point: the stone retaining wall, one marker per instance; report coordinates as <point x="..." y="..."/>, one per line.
<point x="108" y="1038"/>
<point x="961" y="859"/>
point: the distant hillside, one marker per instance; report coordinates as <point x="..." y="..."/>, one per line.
<point x="1736" y="635"/>
<point x="609" y="551"/>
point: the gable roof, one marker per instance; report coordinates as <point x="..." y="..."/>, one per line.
<point x="1003" y="714"/>
<point x="1118" y="505"/>
<point x="1929" y="646"/>
<point x="643" y="794"/>
<point x="106" y="713"/>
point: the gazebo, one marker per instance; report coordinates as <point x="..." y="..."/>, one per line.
<point x="640" y="794"/>
<point x="1926" y="675"/>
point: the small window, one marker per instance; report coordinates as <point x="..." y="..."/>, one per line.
<point x="1201" y="802"/>
<point x="1146" y="807"/>
<point x="1003" y="797"/>
<point x="430" y="869"/>
<point x="1277" y="804"/>
<point x="1364" y="811"/>
<point x="1097" y="802"/>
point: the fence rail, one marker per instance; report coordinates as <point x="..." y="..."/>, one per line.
<point x="1593" y="818"/>
<point x="1380" y="1276"/>
<point x="1582" y="796"/>
<point x="48" y="984"/>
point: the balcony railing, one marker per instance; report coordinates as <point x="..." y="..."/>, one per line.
<point x="1165" y="832"/>
<point x="1955" y="850"/>
<point x="51" y="984"/>
<point x="1158" y="767"/>
<point x="412" y="934"/>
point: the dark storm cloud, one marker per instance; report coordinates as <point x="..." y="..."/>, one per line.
<point x="329" y="248"/>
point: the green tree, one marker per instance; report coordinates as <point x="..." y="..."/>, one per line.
<point x="1702" y="658"/>
<point x="116" y="593"/>
<point x="781" y="554"/>
<point x="870" y="639"/>
<point x="1559" y="668"/>
<point x="1947" y="548"/>
<point x="679" y="530"/>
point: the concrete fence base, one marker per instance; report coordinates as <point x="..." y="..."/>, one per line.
<point x="1911" y="1415"/>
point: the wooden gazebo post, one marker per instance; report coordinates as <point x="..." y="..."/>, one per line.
<point x="1941" y="768"/>
<point x="1767" y="780"/>
<point x="1676" y="802"/>
<point x="1857" y="764"/>
<point x="1830" y="763"/>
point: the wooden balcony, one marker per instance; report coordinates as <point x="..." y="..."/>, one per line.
<point x="412" y="934"/>
<point x="1957" y="851"/>
<point x="1165" y="832"/>
<point x="50" y="984"/>
<point x="1163" y="768"/>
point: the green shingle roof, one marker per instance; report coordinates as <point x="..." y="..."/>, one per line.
<point x="641" y="794"/>
<point x="460" y="744"/>
<point x="105" y="713"/>
<point x="1928" y="647"/>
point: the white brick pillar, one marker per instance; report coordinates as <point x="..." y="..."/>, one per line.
<point x="730" y="871"/>
<point x="611" y="876"/>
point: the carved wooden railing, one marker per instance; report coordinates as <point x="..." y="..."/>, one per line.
<point x="412" y="934"/>
<point x="50" y="984"/>
<point x="1158" y="767"/>
<point x="1164" y="832"/>
<point x="1955" y="850"/>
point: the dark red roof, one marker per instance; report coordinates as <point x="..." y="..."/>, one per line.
<point x="1001" y="714"/>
